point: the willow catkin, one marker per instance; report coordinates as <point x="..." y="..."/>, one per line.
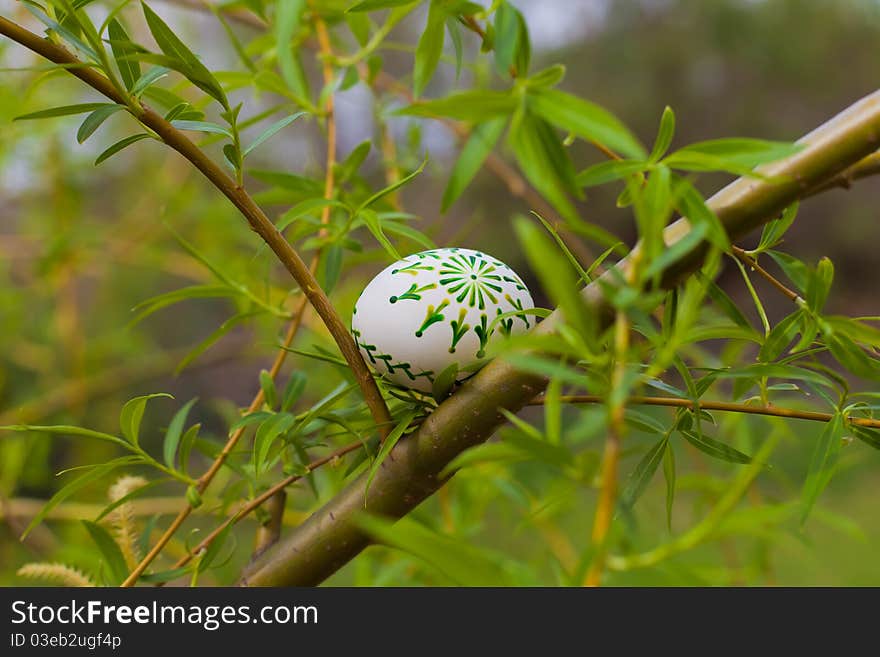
<point x="122" y="518"/>
<point x="55" y="573"/>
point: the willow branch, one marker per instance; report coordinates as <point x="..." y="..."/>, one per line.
<point x="331" y="537"/>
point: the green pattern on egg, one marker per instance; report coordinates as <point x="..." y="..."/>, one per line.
<point x="435" y="308"/>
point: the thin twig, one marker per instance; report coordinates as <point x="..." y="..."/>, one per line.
<point x="731" y="407"/>
<point x="741" y="255"/>
<point x="266" y="495"/>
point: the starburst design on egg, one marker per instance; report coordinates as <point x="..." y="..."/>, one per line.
<point x="437" y="308"/>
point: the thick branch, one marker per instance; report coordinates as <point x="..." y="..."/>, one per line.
<point x="329" y="538"/>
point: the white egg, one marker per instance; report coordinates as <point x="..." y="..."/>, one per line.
<point x="435" y="308"/>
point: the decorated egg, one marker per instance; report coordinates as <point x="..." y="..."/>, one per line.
<point x="432" y="309"/>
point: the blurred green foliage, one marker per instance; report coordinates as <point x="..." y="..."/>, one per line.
<point x="81" y="247"/>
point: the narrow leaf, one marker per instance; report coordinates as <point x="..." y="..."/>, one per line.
<point x="822" y="464"/>
<point x="94" y="120"/>
<point x="109" y="550"/>
<point x="716" y="449"/>
<point x="119" y="145"/>
<point x="387" y="445"/>
<point x="173" y="433"/>
<point x="133" y="412"/>
<point x="473" y="154"/>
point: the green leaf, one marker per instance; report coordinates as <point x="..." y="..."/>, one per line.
<point x="454" y="30"/>
<point x="372" y="5"/>
<point x="392" y="187"/>
<point x="65" y="110"/>
<point x="265" y="437"/>
<point x="822" y="464"/>
<point x="128" y="497"/>
<point x="679" y="249"/>
<point x="289" y="181"/>
<point x="287" y="21"/>
<point x="190" y="66"/>
<point x="396" y="228"/>
<point x="605" y="172"/>
<point x="773" y="231"/>
<point x="557" y="278"/>
<point x="642" y="422"/>
<point x="644" y="471"/>
<point x="586" y="120"/>
<point x="664" y="135"/>
<point x="133" y="412"/>
<point x="486" y="453"/>
<point x="544" y="161"/>
<point x="267" y="383"/>
<point x="272" y="130"/>
<point x="429" y="47"/>
<point x="146" y="308"/>
<point x="387" y="445"/>
<point x="164" y="576"/>
<point x="511" y="41"/>
<point x="109" y="550"/>
<point x="213" y="337"/>
<point x="119" y="145"/>
<point x="458" y="561"/>
<point x="870" y="437"/>
<point x="693" y="206"/>
<point x="202" y="126"/>
<point x="147" y="80"/>
<point x="819" y="285"/>
<point x="186" y="444"/>
<point x="735" y="155"/>
<point x="547" y="367"/>
<point x="68" y="35"/>
<point x="173" y="433"/>
<point x="330" y="267"/>
<point x="92" y="474"/>
<point x="796" y="270"/>
<point x="213" y="550"/>
<point x="780" y="337"/>
<point x="851" y="356"/>
<point x="473" y="154"/>
<point x="775" y="371"/>
<point x="725" y="303"/>
<point x="194" y="497"/>
<point x="94" y="120"/>
<point x="129" y="69"/>
<point x="232" y="156"/>
<point x="669" y="475"/>
<point x="584" y="275"/>
<point x="296" y="384"/>
<point x="64" y="429"/>
<point x="715" y="449"/>
<point x="443" y="382"/>
<point x="471" y="106"/>
<point x="372" y="221"/>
